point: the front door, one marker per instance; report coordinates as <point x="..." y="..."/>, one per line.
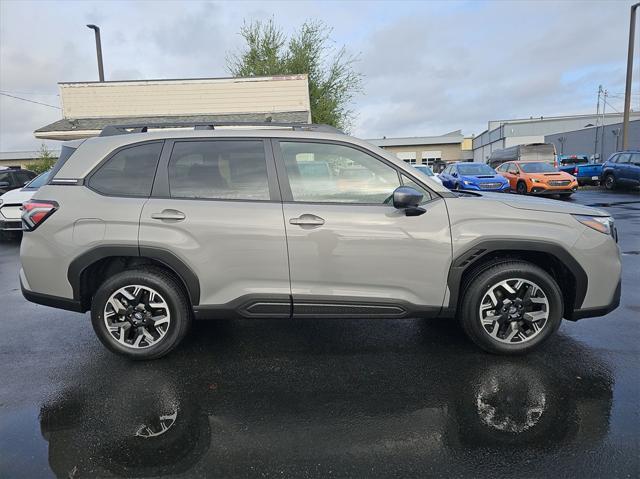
<point x="216" y="206"/>
<point x="351" y="253"/>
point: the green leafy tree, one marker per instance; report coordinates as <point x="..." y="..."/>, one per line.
<point x="333" y="80"/>
<point x="44" y="162"/>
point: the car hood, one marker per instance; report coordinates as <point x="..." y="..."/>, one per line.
<point x="17" y="196"/>
<point x="483" y="178"/>
<point x="522" y="202"/>
<point x="556" y="175"/>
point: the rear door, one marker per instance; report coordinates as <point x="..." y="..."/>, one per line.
<point x="216" y="206"/>
<point x="351" y="253"/>
<point x="634" y="167"/>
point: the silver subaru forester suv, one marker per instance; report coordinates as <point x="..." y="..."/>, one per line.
<point x="149" y="228"/>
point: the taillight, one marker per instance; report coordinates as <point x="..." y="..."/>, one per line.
<point x="34" y="212"/>
<point x="575" y="171"/>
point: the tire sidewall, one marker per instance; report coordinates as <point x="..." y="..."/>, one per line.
<point x="521" y="188"/>
<point x="489" y="278"/>
<point x="170" y="294"/>
<point x="609" y="182"/>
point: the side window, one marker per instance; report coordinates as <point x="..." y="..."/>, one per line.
<point x="624" y="158"/>
<point x="219" y="169"/>
<point x="503" y="167"/>
<point x="129" y="172"/>
<point x="406" y="181"/>
<point x="447" y="170"/>
<point x="635" y="159"/>
<point x="513" y="169"/>
<point x="329" y="173"/>
<point x="5" y="177"/>
<point x="23" y="177"/>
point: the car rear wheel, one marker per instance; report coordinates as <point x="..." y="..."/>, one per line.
<point x="141" y="314"/>
<point x="511" y="307"/>
<point x="521" y="188"/>
<point x="610" y="182"/>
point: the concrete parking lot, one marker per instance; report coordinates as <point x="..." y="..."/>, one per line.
<point x="322" y="398"/>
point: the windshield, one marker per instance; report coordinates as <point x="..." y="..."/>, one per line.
<point x="38" y="181"/>
<point x="537" y="167"/>
<point x="424" y="169"/>
<point x="473" y="169"/>
<point x="574" y="160"/>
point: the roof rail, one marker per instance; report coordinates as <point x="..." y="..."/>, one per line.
<point x="111" y="130"/>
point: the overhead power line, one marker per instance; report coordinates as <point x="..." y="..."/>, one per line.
<point x="30" y="101"/>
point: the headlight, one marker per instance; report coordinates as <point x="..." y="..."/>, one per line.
<point x="535" y="180"/>
<point x="603" y="224"/>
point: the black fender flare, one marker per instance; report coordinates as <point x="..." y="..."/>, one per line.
<point x="467" y="258"/>
<point x="167" y="258"/>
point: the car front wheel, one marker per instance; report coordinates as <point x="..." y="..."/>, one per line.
<point x="511" y="307"/>
<point x="521" y="188"/>
<point x="610" y="182"/>
<point x="141" y="313"/>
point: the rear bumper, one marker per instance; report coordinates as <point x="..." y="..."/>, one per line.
<point x="52" y="301"/>
<point x="599" y="311"/>
<point x="12" y="225"/>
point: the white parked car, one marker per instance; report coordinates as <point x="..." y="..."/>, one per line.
<point x="11" y="202"/>
<point x="427" y="171"/>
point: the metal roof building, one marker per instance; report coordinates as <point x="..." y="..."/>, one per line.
<point x="505" y="133"/>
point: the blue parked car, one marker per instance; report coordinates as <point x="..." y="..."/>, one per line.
<point x="473" y="176"/>
<point x="621" y="169"/>
<point x="578" y="165"/>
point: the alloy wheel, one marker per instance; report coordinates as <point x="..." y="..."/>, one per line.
<point x="514" y="311"/>
<point x="137" y="316"/>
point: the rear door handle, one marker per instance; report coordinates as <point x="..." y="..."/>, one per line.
<point x="172" y="215"/>
<point x="307" y="220"/>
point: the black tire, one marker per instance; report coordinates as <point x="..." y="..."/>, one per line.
<point x="609" y="182"/>
<point x="564" y="196"/>
<point x="521" y="188"/>
<point x="478" y="285"/>
<point x="173" y="294"/>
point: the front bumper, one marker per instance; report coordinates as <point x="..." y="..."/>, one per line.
<point x="600" y="311"/>
<point x="537" y="189"/>
<point x="502" y="189"/>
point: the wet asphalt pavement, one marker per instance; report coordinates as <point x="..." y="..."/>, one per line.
<point x="323" y="398"/>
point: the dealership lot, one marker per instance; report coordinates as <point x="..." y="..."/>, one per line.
<point x="304" y="398"/>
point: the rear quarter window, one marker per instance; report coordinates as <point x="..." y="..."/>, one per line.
<point x="129" y="172"/>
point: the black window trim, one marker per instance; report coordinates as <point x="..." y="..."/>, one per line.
<point x="87" y="179"/>
<point x="161" y="184"/>
<point x="285" y="186"/>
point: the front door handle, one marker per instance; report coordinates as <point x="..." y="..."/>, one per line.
<point x="307" y="220"/>
<point x="172" y="215"/>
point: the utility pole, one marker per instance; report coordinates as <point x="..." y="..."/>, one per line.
<point x="627" y="91"/>
<point x="96" y="30"/>
<point x="595" y="146"/>
<point x="604" y="123"/>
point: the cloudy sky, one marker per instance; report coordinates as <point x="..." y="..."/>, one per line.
<point x="430" y="67"/>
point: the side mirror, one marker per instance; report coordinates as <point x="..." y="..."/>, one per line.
<point x="4" y="184"/>
<point x="407" y="199"/>
<point x="517" y="172"/>
<point x="454" y="174"/>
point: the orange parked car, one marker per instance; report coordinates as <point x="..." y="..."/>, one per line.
<point x="538" y="178"/>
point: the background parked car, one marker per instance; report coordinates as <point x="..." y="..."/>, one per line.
<point x="587" y="173"/>
<point x="11" y="202"/>
<point x="473" y="176"/>
<point x="427" y="171"/>
<point x="538" y="178"/>
<point x="621" y="169"/>
<point x="13" y="177"/>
